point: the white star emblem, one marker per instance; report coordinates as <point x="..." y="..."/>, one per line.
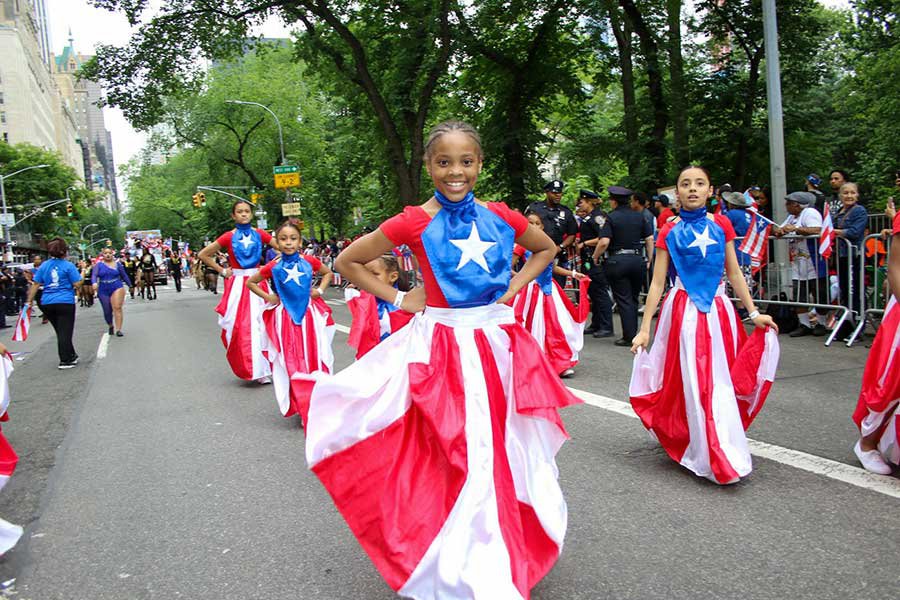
<point x="293" y="274"/>
<point x="702" y="241"/>
<point x="246" y="241"/>
<point x="473" y="249"/>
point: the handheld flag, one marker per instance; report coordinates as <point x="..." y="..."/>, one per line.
<point x="20" y="334"/>
<point x="755" y="244"/>
<point x="826" y="236"/>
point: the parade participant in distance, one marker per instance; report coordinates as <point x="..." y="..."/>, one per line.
<point x="559" y="222"/>
<point x="375" y="319"/>
<point x="703" y="382"/>
<point x="109" y="280"/>
<point x="548" y="314"/>
<point x="438" y="445"/>
<point x="601" y="303"/>
<point x="59" y="279"/>
<point x="130" y="266"/>
<point x="876" y="411"/>
<point x="176" y="263"/>
<point x="299" y="325"/>
<point x="147" y="265"/>
<point x="240" y="312"/>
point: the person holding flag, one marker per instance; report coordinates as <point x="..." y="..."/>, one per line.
<point x="703" y="381"/>
<point x="240" y="312"/>
<point x="299" y="326"/>
<point x="438" y="446"/>
<point x="375" y="319"/>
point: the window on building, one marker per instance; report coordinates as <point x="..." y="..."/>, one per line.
<point x="5" y="137"/>
<point x="2" y="117"/>
<point x="1" y="97"/>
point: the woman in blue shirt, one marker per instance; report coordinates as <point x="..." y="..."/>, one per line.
<point x="59" y="278"/>
<point x="850" y="224"/>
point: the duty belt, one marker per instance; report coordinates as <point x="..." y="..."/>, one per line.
<point x="625" y="251"/>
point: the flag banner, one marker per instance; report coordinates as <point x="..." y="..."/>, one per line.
<point x="20" y="333"/>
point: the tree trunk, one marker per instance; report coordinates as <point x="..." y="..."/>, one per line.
<point x="514" y="153"/>
<point x="743" y="141"/>
<point x="621" y="29"/>
<point x="678" y="100"/>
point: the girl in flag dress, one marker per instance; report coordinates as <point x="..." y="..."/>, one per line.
<point x="299" y="326"/>
<point x="703" y="381"/>
<point x="438" y="445"/>
<point x="548" y="314"/>
<point x="240" y="312"/>
<point x="9" y="533"/>
<point x="878" y="447"/>
<point x="375" y="319"/>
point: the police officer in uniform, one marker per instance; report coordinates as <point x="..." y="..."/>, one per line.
<point x="601" y="304"/>
<point x="621" y="238"/>
<point x="559" y="223"/>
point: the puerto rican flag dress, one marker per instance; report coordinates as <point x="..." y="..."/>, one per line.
<point x="373" y="320"/>
<point x="876" y="410"/>
<point x="438" y="445"/>
<point x="240" y="311"/>
<point x="704" y="380"/>
<point x="299" y="330"/>
<point x="9" y="533"/>
<point x="548" y="315"/>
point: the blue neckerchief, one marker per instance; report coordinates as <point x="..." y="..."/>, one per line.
<point x="246" y="246"/>
<point x="384" y="308"/>
<point x="545" y="279"/>
<point x="292" y="277"/>
<point x="697" y="247"/>
<point x="470" y="252"/>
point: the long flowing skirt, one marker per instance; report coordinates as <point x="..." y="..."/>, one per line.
<point x="292" y="349"/>
<point x="9" y="533"/>
<point x="243" y="332"/>
<point x="438" y="448"/>
<point x="876" y="410"/>
<point x="702" y="383"/>
<point x="367" y="328"/>
<point x="554" y="322"/>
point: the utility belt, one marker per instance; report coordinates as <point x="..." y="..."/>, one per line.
<point x="625" y="251"/>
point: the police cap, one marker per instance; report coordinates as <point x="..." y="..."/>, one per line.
<point x="588" y="194"/>
<point x="619" y="191"/>
<point x="555" y="186"/>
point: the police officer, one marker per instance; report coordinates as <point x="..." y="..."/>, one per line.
<point x="621" y="238"/>
<point x="601" y="304"/>
<point x="559" y="223"/>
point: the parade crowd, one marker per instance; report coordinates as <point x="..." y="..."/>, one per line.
<point x="467" y="315"/>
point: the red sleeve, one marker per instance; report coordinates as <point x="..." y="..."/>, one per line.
<point x="265" y="236"/>
<point x="726" y="226"/>
<point x="513" y="218"/>
<point x="519" y="250"/>
<point x="896" y="227"/>
<point x="661" y="239"/>
<point x="314" y="262"/>
<point x="266" y="271"/>
<point x="397" y="228"/>
<point x="224" y="241"/>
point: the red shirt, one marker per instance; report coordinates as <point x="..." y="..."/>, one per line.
<point x="224" y="241"/>
<point x="664" y="216"/>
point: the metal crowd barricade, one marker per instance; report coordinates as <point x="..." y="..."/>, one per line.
<point x="875" y="291"/>
<point x="878" y="222"/>
<point x="774" y="280"/>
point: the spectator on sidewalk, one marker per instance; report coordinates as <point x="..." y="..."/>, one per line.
<point x="849" y="224"/>
<point x="813" y="182"/>
<point x="836" y="178"/>
<point x="736" y="205"/>
<point x="664" y="213"/>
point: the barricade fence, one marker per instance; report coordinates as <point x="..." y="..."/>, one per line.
<point x="875" y="288"/>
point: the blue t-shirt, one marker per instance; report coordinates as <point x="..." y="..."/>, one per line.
<point x="58" y="276"/>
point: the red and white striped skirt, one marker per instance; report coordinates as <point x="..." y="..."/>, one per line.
<point x="554" y="322"/>
<point x="243" y="332"/>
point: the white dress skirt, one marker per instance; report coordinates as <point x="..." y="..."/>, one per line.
<point x="243" y="331"/>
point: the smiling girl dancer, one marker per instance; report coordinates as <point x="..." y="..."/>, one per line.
<point x="438" y="446"/>
<point x="240" y="312"/>
<point x="298" y="323"/>
<point x="704" y="381"/>
<point x="375" y="319"/>
<point x="547" y="313"/>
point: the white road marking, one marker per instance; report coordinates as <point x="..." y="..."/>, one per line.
<point x="889" y="486"/>
<point x="335" y="302"/>
<point x="101" y="349"/>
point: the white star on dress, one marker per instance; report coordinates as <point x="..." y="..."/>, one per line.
<point x="702" y="241"/>
<point x="473" y="249"/>
<point x="293" y="274"/>
<point x="246" y="241"/>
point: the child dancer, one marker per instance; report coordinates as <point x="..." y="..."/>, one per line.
<point x="876" y="410"/>
<point x="298" y="323"/>
<point x="438" y="445"/>
<point x="9" y="533"/>
<point x="548" y="314"/>
<point x="704" y="381"/>
<point x="240" y="312"/>
<point x="375" y="319"/>
<point x="109" y="280"/>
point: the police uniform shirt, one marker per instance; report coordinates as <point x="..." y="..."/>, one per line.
<point x="590" y="229"/>
<point x="627" y="229"/>
<point x="558" y="221"/>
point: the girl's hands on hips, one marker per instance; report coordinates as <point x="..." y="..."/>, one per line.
<point x="641" y="340"/>
<point x="505" y="298"/>
<point x="273" y="299"/>
<point x="414" y="300"/>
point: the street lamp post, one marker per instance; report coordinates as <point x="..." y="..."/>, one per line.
<point x="3" y="179"/>
<point x="81" y="237"/>
<point x="274" y="116"/>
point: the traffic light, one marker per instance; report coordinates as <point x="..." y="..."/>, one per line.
<point x="254" y="198"/>
<point x="202" y="199"/>
<point x="196" y="200"/>
<point x="70" y="210"/>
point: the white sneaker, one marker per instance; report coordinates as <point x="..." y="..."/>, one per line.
<point x="567" y="373"/>
<point x="872" y="461"/>
<point x="264" y="380"/>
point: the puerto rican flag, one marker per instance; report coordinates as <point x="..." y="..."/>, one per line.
<point x="755" y="243"/>
<point x="23" y="324"/>
<point x="826" y="236"/>
<point x="9" y="533"/>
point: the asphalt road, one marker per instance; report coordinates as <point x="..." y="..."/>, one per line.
<point x="153" y="473"/>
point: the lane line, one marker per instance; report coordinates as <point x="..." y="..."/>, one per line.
<point x="101" y="349"/>
<point x="859" y="477"/>
<point x="335" y="302"/>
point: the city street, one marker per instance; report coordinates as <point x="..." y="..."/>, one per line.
<point x="149" y="471"/>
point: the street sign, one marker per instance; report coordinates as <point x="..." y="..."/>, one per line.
<point x="8" y="219"/>
<point x="290" y="209"/>
<point x="286" y="176"/>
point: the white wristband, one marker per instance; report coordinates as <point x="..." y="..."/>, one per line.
<point x="753" y="315"/>
<point x="398" y="299"/>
